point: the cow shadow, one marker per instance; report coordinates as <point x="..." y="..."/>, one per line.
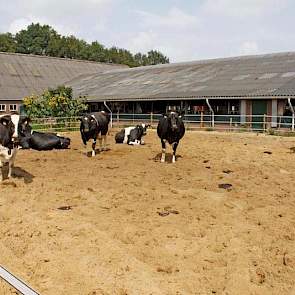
<point x="97" y="152"/>
<point x="168" y="158"/>
<point x="20" y="173"/>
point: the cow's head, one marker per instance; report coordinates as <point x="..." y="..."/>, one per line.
<point x="24" y="128"/>
<point x="7" y="130"/>
<point x="88" y="123"/>
<point x="144" y="127"/>
<point x="174" y="120"/>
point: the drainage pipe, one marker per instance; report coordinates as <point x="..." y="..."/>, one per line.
<point x="108" y="108"/>
<point x="293" y="113"/>
<point x="211" y="110"/>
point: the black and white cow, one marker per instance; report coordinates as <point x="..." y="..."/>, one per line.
<point x="38" y="140"/>
<point x="132" y="135"/>
<point x="93" y="126"/>
<point x="8" y="141"/>
<point x="170" y="128"/>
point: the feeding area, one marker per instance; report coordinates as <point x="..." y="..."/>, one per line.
<point x="220" y="220"/>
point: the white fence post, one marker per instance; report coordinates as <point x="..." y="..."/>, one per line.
<point x="293" y="121"/>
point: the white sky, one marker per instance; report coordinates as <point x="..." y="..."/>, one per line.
<point x="181" y="29"/>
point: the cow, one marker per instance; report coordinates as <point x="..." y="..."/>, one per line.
<point x="38" y="140"/>
<point x="95" y="125"/>
<point x="8" y="141"/>
<point x="132" y="135"/>
<point x="170" y="128"/>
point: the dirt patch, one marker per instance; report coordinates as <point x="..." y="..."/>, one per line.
<point x="124" y="223"/>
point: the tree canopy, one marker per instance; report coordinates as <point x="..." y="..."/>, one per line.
<point x="57" y="102"/>
<point x="45" y="40"/>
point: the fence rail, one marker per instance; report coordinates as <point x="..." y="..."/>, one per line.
<point x="258" y="123"/>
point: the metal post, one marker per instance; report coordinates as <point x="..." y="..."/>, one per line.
<point x="16" y="283"/>
<point x="202" y="119"/>
<point x="211" y="110"/>
<point x="293" y="112"/>
<point x="105" y="104"/>
<point x="230" y="123"/>
<point x="264" y="122"/>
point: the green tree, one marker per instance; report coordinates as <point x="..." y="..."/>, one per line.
<point x="7" y="43"/>
<point x="35" y="39"/>
<point x="57" y="102"/>
<point x="44" y="40"/>
<point x="156" y="57"/>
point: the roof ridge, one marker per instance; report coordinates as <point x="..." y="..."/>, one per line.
<point x="60" y="58"/>
<point x="205" y="61"/>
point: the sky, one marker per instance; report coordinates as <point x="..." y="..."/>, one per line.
<point x="183" y="30"/>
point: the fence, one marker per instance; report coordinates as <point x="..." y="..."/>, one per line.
<point x="258" y="123"/>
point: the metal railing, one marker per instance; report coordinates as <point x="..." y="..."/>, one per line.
<point x="239" y="123"/>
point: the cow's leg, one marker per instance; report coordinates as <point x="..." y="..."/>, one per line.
<point x="174" y="146"/>
<point x="93" y="147"/>
<point x="100" y="142"/>
<point x="11" y="162"/>
<point x="163" y="150"/>
<point x="104" y="137"/>
<point x="10" y="166"/>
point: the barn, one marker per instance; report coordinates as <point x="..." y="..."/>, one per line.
<point x="22" y="75"/>
<point x="241" y="86"/>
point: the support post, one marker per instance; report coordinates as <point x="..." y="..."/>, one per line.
<point x="293" y="113"/>
<point x="230" y="123"/>
<point x="202" y="119"/>
<point x="212" y="112"/>
<point x="108" y="108"/>
<point x="264" y="122"/>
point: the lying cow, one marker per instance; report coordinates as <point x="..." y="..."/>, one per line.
<point x="170" y="128"/>
<point x="38" y="140"/>
<point x="8" y="141"/>
<point x="95" y="125"/>
<point x="132" y="135"/>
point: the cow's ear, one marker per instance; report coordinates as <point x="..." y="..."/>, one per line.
<point x="5" y="120"/>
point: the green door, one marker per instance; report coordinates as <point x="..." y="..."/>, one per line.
<point x="259" y="108"/>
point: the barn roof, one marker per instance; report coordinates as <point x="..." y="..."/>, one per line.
<point x="22" y="75"/>
<point x="269" y="75"/>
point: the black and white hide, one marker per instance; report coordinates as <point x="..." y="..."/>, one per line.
<point x="170" y="129"/>
<point x="132" y="135"/>
<point x="8" y="141"/>
<point x="95" y="126"/>
<point x="40" y="141"/>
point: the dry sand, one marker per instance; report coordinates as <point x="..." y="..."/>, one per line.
<point x="137" y="226"/>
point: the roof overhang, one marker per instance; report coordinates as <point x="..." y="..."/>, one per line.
<point x="163" y="98"/>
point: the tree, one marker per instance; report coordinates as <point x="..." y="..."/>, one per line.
<point x="156" y="57"/>
<point x="44" y="40"/>
<point x="57" y="102"/>
<point x="35" y="39"/>
<point x="7" y="43"/>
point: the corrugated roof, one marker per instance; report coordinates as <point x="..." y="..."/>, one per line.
<point x="22" y="74"/>
<point x="248" y="76"/>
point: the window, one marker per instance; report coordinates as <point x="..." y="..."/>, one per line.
<point x="12" y="107"/>
<point x="2" y="107"/>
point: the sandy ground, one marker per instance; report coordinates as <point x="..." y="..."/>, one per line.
<point x="137" y="226"/>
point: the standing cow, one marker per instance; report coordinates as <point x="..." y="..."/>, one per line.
<point x="170" y="128"/>
<point x="9" y="126"/>
<point x="93" y="126"/>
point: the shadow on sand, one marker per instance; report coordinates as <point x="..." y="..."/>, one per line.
<point x="18" y="172"/>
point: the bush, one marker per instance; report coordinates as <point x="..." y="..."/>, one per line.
<point x="57" y="102"/>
